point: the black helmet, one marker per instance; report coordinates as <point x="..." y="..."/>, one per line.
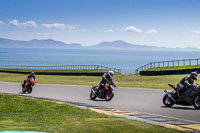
<point x="193" y="75"/>
<point x="32" y="74"/>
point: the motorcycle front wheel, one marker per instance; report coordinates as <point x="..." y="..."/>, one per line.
<point x="23" y="90"/>
<point x="196" y="103"/>
<point x="109" y="96"/>
<point x="167" y="101"/>
<point x="29" y="89"/>
<point x="92" y="93"/>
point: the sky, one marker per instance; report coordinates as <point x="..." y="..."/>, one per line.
<point x="163" y="23"/>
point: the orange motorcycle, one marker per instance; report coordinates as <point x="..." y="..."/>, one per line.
<point x="105" y="93"/>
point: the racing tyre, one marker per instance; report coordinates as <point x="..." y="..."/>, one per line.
<point x="29" y="89"/>
<point x="23" y="90"/>
<point x="167" y="101"/>
<point x="93" y="94"/>
<point x="109" y="96"/>
<point x="196" y="103"/>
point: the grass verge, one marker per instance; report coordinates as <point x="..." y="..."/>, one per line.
<point x="156" y="82"/>
<point x="30" y="70"/>
<point x="17" y="113"/>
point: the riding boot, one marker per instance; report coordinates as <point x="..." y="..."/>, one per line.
<point x="23" y="85"/>
<point x="178" y="91"/>
<point x="100" y="87"/>
<point x="189" y="100"/>
<point x="181" y="96"/>
<point x="98" y="90"/>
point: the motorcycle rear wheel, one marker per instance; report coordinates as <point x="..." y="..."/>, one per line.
<point x="92" y="94"/>
<point x="167" y="101"/>
<point x="196" y="103"/>
<point x="109" y="96"/>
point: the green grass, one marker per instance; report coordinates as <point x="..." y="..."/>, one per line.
<point x="67" y="70"/>
<point x="134" y="80"/>
<point x="17" y="113"/>
<point x="173" y="68"/>
<point x="156" y="82"/>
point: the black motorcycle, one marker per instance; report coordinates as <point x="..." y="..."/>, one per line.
<point x="105" y="93"/>
<point x="171" y="98"/>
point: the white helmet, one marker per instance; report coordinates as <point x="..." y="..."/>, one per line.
<point x="32" y="74"/>
<point x="110" y="73"/>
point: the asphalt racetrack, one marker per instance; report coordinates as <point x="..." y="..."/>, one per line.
<point x="125" y="99"/>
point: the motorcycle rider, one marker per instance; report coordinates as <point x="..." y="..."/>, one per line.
<point x="106" y="78"/>
<point x="184" y="87"/>
<point x="26" y="83"/>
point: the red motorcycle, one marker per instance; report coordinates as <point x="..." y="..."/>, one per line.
<point x="105" y="93"/>
<point x="30" y="83"/>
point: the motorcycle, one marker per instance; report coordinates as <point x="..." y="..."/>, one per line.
<point x="31" y="83"/>
<point x="171" y="98"/>
<point x="105" y="93"/>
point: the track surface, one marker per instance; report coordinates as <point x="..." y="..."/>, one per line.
<point x="125" y="99"/>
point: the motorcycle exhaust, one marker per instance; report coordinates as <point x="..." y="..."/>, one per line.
<point x="169" y="95"/>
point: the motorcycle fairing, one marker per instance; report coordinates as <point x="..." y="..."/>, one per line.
<point x="173" y="86"/>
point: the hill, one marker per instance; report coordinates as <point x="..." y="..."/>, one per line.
<point x="119" y="44"/>
<point x="48" y="43"/>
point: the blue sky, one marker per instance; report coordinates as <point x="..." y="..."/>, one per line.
<point x="164" y="23"/>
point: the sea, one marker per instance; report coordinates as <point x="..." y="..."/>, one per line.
<point x="126" y="60"/>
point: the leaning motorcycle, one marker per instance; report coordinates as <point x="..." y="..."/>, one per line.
<point x="105" y="93"/>
<point x="171" y="98"/>
<point x="31" y="83"/>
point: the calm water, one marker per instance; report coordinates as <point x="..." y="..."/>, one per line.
<point x="121" y="59"/>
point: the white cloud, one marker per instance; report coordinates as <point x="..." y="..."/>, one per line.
<point x="14" y="22"/>
<point x="59" y="26"/>
<point x="196" y="31"/>
<point x="1" y="23"/>
<point x="108" y="30"/>
<point x="151" y="32"/>
<point x="132" y="29"/>
<point x="84" y="30"/>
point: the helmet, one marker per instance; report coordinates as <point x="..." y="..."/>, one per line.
<point x="193" y="75"/>
<point x="110" y="73"/>
<point x="32" y="74"/>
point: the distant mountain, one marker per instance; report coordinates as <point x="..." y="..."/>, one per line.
<point x="122" y="45"/>
<point x="114" y="44"/>
<point x="48" y="43"/>
<point x="119" y="44"/>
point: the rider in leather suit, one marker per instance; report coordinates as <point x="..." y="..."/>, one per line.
<point x="184" y="87"/>
<point x="31" y="75"/>
<point x="106" y="78"/>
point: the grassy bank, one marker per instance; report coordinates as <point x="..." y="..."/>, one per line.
<point x="157" y="82"/>
<point x="174" y="68"/>
<point x="17" y="113"/>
